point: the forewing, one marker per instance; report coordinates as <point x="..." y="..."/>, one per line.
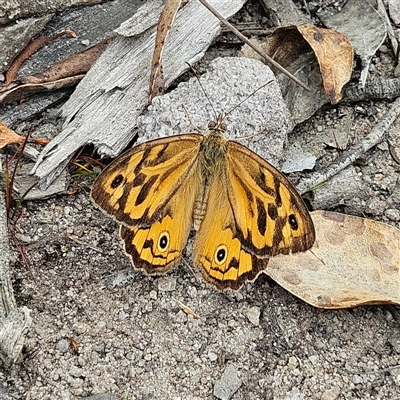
<point x="136" y="186"/>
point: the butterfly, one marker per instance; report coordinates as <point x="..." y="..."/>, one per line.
<point x="244" y="210"/>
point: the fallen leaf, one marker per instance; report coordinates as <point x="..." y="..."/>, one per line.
<point x="77" y="64"/>
<point x="363" y="25"/>
<point x="354" y="261"/>
<point x="335" y="56"/>
<point x="8" y="136"/>
<point x="63" y="74"/>
<point x="333" y="51"/>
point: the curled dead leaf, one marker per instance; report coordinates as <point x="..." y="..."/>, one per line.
<point x="333" y="51"/>
<point x="30" y="49"/>
<point x="63" y="74"/>
<point x="335" y="56"/>
<point x="74" y="65"/>
<point x="354" y="261"/>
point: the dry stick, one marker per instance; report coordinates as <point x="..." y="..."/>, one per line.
<point x="247" y="41"/>
<point x="170" y="9"/>
<point x="376" y="135"/>
<point x="379" y="89"/>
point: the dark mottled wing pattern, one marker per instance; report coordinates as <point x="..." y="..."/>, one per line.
<point x="151" y="190"/>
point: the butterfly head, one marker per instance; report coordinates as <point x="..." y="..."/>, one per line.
<point x="217" y="127"/>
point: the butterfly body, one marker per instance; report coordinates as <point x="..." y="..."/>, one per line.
<point x="243" y="209"/>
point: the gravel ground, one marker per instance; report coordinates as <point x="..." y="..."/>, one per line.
<point x="101" y="327"/>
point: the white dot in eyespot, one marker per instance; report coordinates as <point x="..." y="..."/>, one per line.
<point x="163" y="242"/>
<point x="221" y="254"/>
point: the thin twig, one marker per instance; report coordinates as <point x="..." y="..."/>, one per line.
<point x="376" y="136"/>
<point x="247" y="41"/>
<point x="187" y="309"/>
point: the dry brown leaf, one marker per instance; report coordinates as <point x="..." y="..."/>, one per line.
<point x="335" y="55"/>
<point x="77" y="64"/>
<point x="63" y="74"/>
<point x="354" y="261"/>
<point x="333" y="51"/>
<point x="14" y="93"/>
<point x="8" y="136"/>
<point x="157" y="84"/>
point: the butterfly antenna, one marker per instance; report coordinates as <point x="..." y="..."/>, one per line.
<point x="247" y="97"/>
<point x="196" y="74"/>
<point x="190" y="119"/>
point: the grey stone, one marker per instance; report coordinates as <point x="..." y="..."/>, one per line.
<point x="229" y="383"/>
<point x="253" y="314"/>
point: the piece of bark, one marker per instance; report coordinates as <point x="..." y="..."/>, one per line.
<point x="7" y="301"/>
<point x="28" y="110"/>
<point x="104" y="108"/>
<point x="11" y="10"/>
<point x="167" y="17"/>
<point x="145" y="17"/>
<point x="24" y="184"/>
<point x="14" y="322"/>
<point x="285" y="12"/>
<point x="13" y="330"/>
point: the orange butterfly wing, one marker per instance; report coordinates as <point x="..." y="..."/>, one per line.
<point x="151" y="189"/>
<point x="253" y="212"/>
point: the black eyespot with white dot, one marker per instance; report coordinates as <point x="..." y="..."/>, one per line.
<point x="117" y="181"/>
<point x="163" y="242"/>
<point x="293" y="222"/>
<point x="221" y="254"/>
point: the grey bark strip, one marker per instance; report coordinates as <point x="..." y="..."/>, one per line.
<point x="104" y="108"/>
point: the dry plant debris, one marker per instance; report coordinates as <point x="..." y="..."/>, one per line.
<point x="355" y="261"/>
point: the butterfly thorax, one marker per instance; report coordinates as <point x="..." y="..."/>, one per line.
<point x="212" y="154"/>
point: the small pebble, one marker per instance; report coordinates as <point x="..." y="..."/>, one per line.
<point x="253" y="314"/>
<point x="393" y="214"/>
<point x="229" y="383"/>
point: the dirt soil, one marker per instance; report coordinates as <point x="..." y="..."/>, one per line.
<point x="101" y="327"/>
